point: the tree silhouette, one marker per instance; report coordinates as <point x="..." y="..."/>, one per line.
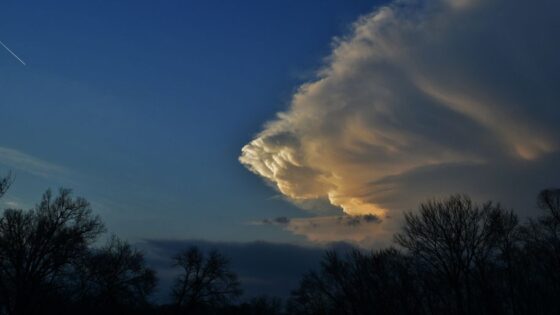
<point x="205" y="280"/>
<point x="263" y="305"/>
<point x="359" y="283"/>
<point x="5" y="183"/>
<point x="456" y="242"/>
<point x="549" y="202"/>
<point x="37" y="246"/>
<point x="113" y="279"/>
<point x="454" y="257"/>
<point x="540" y="257"/>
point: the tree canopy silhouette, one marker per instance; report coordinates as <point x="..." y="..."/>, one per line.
<point x="205" y="280"/>
<point x="455" y="241"/>
<point x="452" y="256"/>
<point x="5" y="183"/>
<point x="358" y="283"/>
<point x="37" y="247"/>
<point x="113" y="279"/>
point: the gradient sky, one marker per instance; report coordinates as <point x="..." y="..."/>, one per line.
<point x="271" y="129"/>
<point x="142" y="107"/>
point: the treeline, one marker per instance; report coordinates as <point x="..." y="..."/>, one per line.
<point x="452" y="256"/>
<point x="48" y="265"/>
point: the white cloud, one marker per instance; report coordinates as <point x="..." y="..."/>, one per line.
<point x="420" y="85"/>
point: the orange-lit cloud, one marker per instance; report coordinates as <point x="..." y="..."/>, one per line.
<point x="417" y="85"/>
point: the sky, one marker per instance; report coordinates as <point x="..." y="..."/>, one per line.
<point x="142" y="107"/>
<point x="290" y="125"/>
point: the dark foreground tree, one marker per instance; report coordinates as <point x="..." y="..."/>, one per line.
<point x="205" y="281"/>
<point x="261" y="305"/>
<point x="358" y="283"/>
<point x="112" y="280"/>
<point x="5" y="183"/>
<point x="455" y="245"/>
<point x="459" y="258"/>
<point x="538" y="277"/>
<point x="38" y="246"/>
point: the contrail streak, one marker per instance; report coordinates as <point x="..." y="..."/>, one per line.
<point x="13" y="54"/>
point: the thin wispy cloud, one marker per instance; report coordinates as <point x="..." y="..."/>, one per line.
<point x="22" y="161"/>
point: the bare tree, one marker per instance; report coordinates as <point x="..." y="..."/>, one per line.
<point x="36" y="247"/>
<point x="5" y="183"/>
<point x="264" y="305"/>
<point x="326" y="291"/>
<point x="456" y="241"/>
<point x="114" y="278"/>
<point x="540" y="259"/>
<point x="359" y="283"/>
<point x="548" y="201"/>
<point x="205" y="280"/>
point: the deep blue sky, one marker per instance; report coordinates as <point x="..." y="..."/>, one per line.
<point x="143" y="106"/>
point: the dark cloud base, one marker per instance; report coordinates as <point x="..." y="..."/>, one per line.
<point x="263" y="268"/>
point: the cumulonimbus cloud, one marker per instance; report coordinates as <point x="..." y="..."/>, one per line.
<point x="419" y="85"/>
